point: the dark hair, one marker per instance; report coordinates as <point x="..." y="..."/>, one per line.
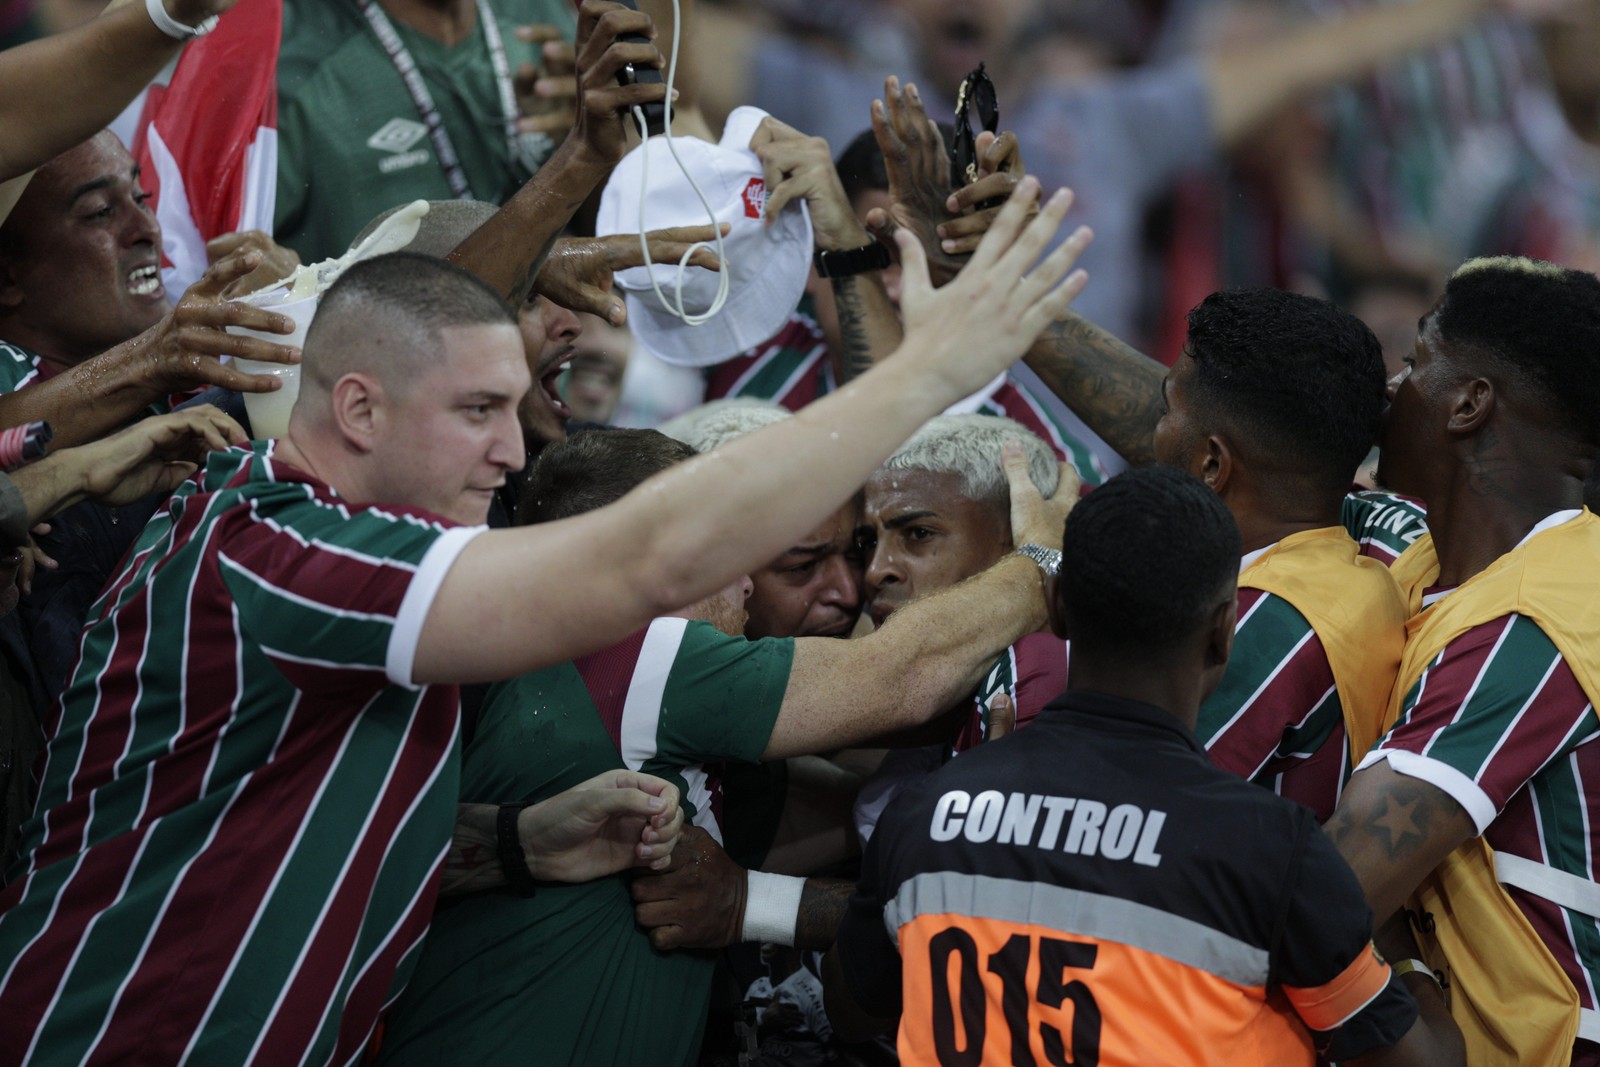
<point x="1145" y="557"/>
<point x="1294" y="374"/>
<point x="861" y="167"/>
<point x="1536" y="320"/>
<point x="592" y="469"/>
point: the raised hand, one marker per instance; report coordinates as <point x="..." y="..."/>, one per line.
<point x="919" y="176"/>
<point x="999" y="170"/>
<point x="977" y="325"/>
<point x="577" y="273"/>
<point x="603" y="105"/>
<point x="153" y="454"/>
<point x="799" y="167"/>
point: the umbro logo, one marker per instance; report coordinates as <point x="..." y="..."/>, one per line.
<point x="397" y="135"/>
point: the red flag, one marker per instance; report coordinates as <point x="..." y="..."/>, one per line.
<point x="208" y="140"/>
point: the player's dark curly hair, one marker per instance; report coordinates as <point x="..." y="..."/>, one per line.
<point x="592" y="469"/>
<point x="1145" y="557"/>
<point x="1295" y="375"/>
<point x="1537" y="321"/>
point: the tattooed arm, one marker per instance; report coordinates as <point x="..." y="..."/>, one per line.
<point x="1393" y="829"/>
<point x="1113" y="387"/>
<point x="869" y="329"/>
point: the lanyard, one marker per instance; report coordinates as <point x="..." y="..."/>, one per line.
<point x="523" y="148"/>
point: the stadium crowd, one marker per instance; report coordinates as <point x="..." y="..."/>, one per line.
<point x="1023" y="531"/>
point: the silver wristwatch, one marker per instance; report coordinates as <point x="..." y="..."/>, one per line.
<point x="1048" y="559"/>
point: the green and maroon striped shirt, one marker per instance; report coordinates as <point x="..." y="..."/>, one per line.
<point x="245" y="800"/>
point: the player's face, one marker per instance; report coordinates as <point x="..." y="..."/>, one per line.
<point x="1417" y="412"/>
<point x="921" y="534"/>
<point x="451" y="437"/>
<point x="813" y="589"/>
<point x="85" y="275"/>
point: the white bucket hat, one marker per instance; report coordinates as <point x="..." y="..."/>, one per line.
<point x="767" y="265"/>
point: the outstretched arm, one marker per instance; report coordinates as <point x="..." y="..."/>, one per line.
<point x="62" y="90"/>
<point x="691" y="529"/>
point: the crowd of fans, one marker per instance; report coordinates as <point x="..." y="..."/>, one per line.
<point x="1028" y="531"/>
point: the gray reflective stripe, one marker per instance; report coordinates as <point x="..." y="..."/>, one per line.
<point x="1073" y="911"/>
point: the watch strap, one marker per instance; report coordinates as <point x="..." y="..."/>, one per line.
<point x="1048" y="559"/>
<point x="850" y="261"/>
<point x="508" y="844"/>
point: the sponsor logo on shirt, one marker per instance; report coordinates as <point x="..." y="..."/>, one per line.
<point x="397" y="136"/>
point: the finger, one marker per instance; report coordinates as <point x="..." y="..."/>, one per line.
<point x="552" y="122"/>
<point x="222" y="245"/>
<point x="653" y="888"/>
<point x="666" y="938"/>
<point x="986" y="188"/>
<point x="1035" y="236"/>
<point x="225" y="270"/>
<point x="779" y="195"/>
<point x="1069" y="486"/>
<point x="539" y="33"/>
<point x="1048" y="274"/>
<point x="616" y="22"/>
<point x="914" y="282"/>
<point x="1007" y="225"/>
<point x="216" y="316"/>
<point x="1002" y="155"/>
<point x="174" y="474"/>
<point x="880" y="225"/>
<point x="1002" y="717"/>
<point x="552" y="87"/>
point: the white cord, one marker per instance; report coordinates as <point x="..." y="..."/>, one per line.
<point x="675" y="307"/>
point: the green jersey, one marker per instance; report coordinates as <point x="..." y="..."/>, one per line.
<point x="565" y="976"/>
<point x="351" y="142"/>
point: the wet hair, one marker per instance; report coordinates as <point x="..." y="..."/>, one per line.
<point x="969" y="446"/>
<point x="1146" y="557"/>
<point x="592" y="469"/>
<point x="1294" y="375"/>
<point x="714" y="424"/>
<point x="386" y="315"/>
<point x="1537" y="321"/>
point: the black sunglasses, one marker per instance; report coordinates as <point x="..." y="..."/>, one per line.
<point x="977" y="92"/>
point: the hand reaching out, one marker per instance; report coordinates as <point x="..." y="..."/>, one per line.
<point x="996" y="307"/>
<point x="577" y="273"/>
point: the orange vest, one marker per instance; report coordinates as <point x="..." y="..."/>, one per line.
<point x="1513" y="1002"/>
<point x="1357" y="611"/>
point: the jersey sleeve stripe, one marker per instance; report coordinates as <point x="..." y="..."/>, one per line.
<point x="1461" y="789"/>
<point x="1483" y="670"/>
<point x="641" y="711"/>
<point x="401" y="659"/>
<point x="1075" y="911"/>
<point x="1331" y="1005"/>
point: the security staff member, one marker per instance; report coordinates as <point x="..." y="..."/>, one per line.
<point x="1095" y="891"/>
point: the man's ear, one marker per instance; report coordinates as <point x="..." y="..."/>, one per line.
<point x="1471" y="405"/>
<point x="1215" y="465"/>
<point x="358" y="410"/>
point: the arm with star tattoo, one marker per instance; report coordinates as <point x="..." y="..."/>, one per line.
<point x="1393" y="829"/>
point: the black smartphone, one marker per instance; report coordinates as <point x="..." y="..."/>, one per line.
<point x="655" y="115"/>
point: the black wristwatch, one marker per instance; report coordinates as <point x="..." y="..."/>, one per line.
<point x="849" y="261"/>
<point x="508" y="843"/>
